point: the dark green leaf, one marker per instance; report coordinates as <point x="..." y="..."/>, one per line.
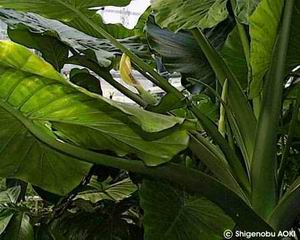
<point x="19" y="228"/>
<point x="43" y="232"/>
<point x="83" y="78"/>
<point x="105" y="190"/>
<point x="5" y="218"/>
<point x="263" y="37"/>
<point x="212" y="157"/>
<point x="167" y="103"/>
<point x="52" y="50"/>
<point x="65" y="10"/>
<point x="189" y="14"/>
<point x="8" y="197"/>
<point x="181" y="53"/>
<point x="106" y="221"/>
<point x="263" y="168"/>
<point x="293" y="57"/>
<point x="282" y="217"/>
<point x="234" y="57"/>
<point x="35" y="25"/>
<point x="38" y="27"/>
<point x="174" y="215"/>
<point x="206" y="106"/>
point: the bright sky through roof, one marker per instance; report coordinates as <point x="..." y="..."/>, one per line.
<point x="127" y="15"/>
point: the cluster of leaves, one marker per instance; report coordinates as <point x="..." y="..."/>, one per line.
<point x="105" y="202"/>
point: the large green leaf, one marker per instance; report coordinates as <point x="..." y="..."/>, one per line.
<point x="83" y="78"/>
<point x="14" y="223"/>
<point x="189" y="14"/>
<point x="64" y="9"/>
<point x="44" y="99"/>
<point x="26" y="27"/>
<point x="10" y="195"/>
<point x="263" y="37"/>
<point x="244" y="9"/>
<point x="53" y="51"/>
<point x="7" y="198"/>
<point x="116" y="191"/>
<point x="263" y="168"/>
<point x="242" y="119"/>
<point x="5" y="217"/>
<point x="233" y="55"/>
<point x="29" y="29"/>
<point x="181" y="53"/>
<point x="293" y="57"/>
<point x="173" y="215"/>
<point x="18" y="228"/>
<point x="68" y="11"/>
<point x="24" y="157"/>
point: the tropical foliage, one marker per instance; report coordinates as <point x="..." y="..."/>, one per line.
<point x="223" y="153"/>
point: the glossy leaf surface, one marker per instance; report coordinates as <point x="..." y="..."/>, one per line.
<point x="45" y="100"/>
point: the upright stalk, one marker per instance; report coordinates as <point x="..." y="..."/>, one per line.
<point x="263" y="169"/>
<point x="237" y="100"/>
<point x="234" y="162"/>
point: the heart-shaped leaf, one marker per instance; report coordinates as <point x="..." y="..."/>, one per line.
<point x="34" y="96"/>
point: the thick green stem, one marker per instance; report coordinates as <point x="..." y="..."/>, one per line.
<point x="131" y="95"/>
<point x="146" y="96"/>
<point x="256" y="101"/>
<point x="245" y="42"/>
<point x="210" y="155"/>
<point x="146" y="75"/>
<point x="263" y="169"/>
<point x="231" y="157"/>
<point x="237" y="101"/>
